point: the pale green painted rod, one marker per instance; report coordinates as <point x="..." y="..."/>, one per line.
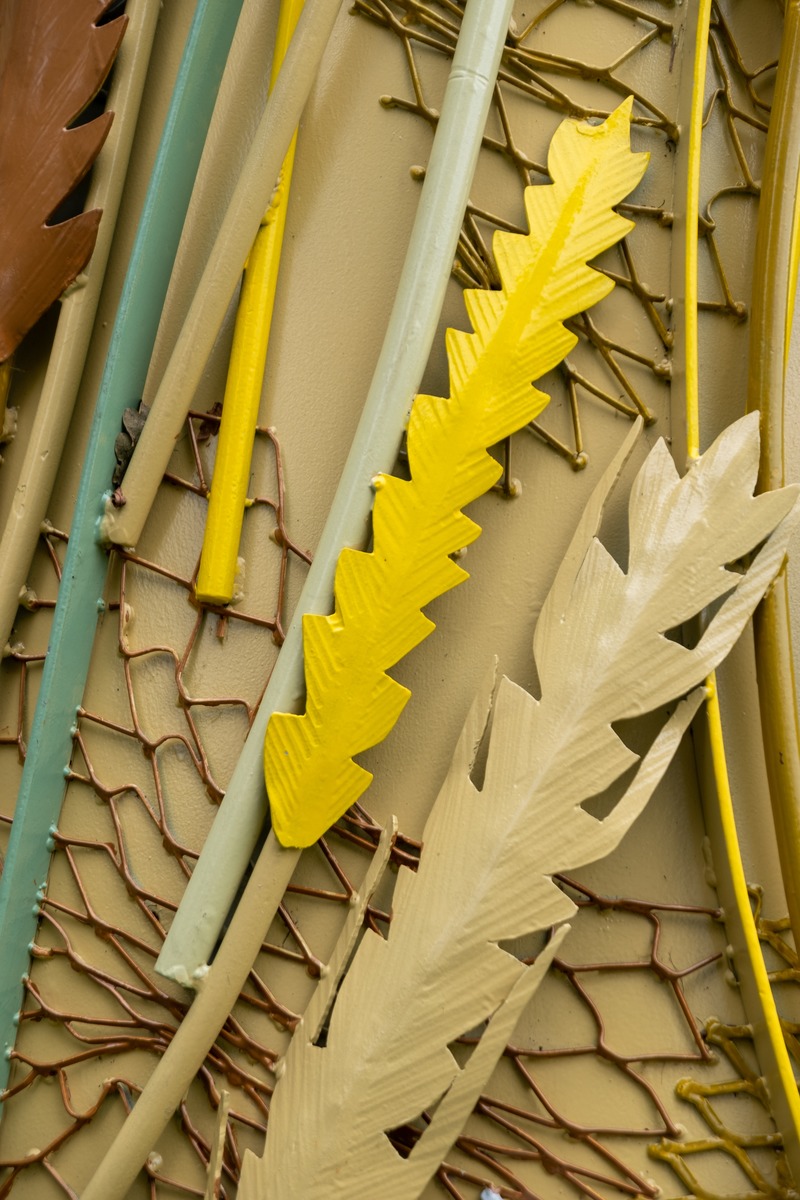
<point x="79" y="597"/>
<point x="411" y="330"/>
<point x="403" y="358"/>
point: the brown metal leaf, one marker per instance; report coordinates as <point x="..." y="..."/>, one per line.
<point x="53" y="61"/>
<point x="133" y="420"/>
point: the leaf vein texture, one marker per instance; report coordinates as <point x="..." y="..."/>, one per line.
<point x="518" y="336"/>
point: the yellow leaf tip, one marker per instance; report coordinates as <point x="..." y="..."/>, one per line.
<point x="418" y="524"/>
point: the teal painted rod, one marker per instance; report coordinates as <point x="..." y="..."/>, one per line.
<point x="79" y="600"/>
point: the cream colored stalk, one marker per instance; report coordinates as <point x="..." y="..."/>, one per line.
<point x="602" y="655"/>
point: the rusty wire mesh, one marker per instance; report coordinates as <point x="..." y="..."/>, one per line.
<point x="96" y="1014"/>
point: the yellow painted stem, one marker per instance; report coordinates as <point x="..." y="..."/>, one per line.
<point x="216" y="577"/>
<point x="774" y="281"/>
<point x="686" y="371"/>
<point x="709" y="742"/>
<point x="222" y="272"/>
<point x="748" y="959"/>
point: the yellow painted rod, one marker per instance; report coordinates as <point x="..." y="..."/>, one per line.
<point x="715" y="790"/>
<point x="228" y="496"/>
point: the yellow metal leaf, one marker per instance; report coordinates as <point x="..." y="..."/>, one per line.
<point x="518" y="336"/>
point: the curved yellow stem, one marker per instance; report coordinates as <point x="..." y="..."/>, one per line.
<point x="748" y="958"/>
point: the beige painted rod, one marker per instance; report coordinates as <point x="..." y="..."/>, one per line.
<point x="251" y="196"/>
<point x="774" y="285"/>
<point x="196" y="1033"/>
<point x="56" y="402"/>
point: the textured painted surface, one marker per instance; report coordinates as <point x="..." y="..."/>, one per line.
<point x="435" y="231"/>
<point x="518" y="336"/>
<point x="54" y="61"/>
